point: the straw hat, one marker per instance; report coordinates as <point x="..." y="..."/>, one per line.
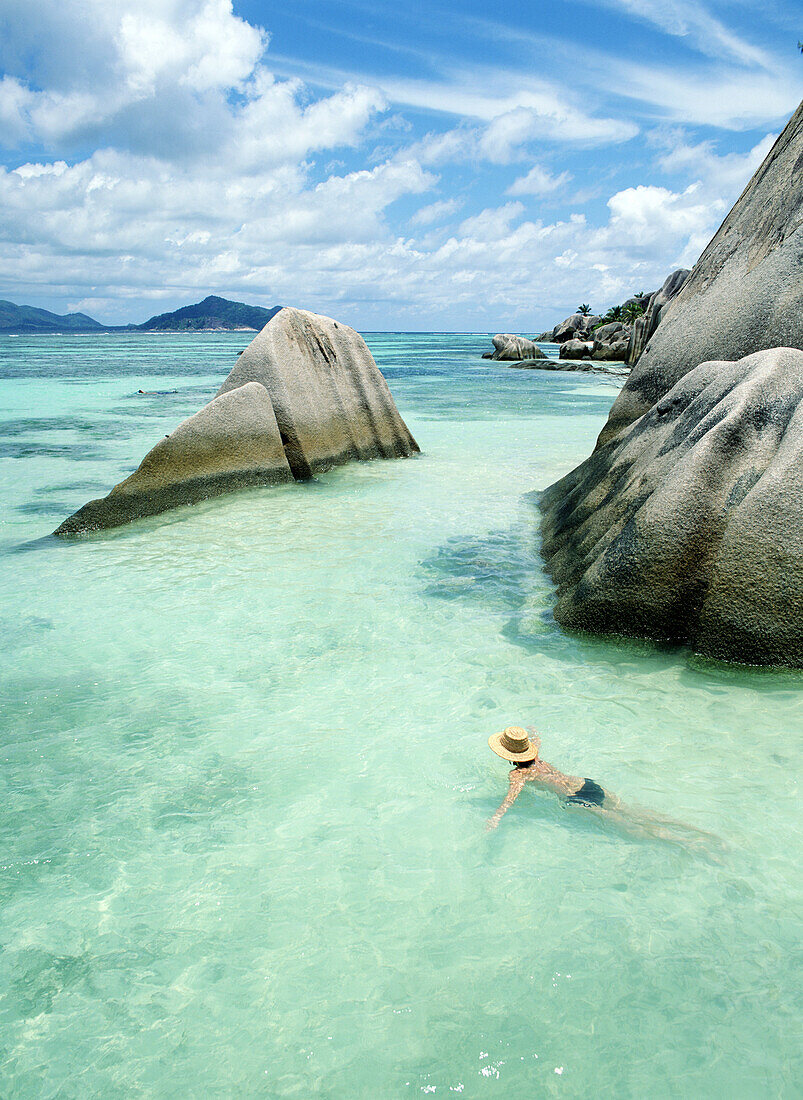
<point x="513" y="744"/>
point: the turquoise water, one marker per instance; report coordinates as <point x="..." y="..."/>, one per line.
<point x="245" y="776"/>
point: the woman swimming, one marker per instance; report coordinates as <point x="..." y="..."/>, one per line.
<point x="516" y="745"/>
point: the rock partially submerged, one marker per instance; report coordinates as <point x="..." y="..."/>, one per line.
<point x="686" y="523"/>
<point x="566" y="365"/>
<point x="509" y="348"/>
<point x="304" y="396"/>
<point x="232" y="443"/>
<point x="688" y="528"/>
<point x="576" y="349"/>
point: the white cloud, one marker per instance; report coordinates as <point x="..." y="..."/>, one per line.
<point x="272" y="127"/>
<point x="205" y="48"/>
<point x="15" y="103"/>
<point x="538" y="181"/>
<point x="509" y="105"/>
<point x="83" y="66"/>
<point x="725" y="81"/>
<point x="519" y="110"/>
<point x="204" y="177"/>
<point x="491" y="224"/>
<point x="134" y="223"/>
<point x="731" y="99"/>
<point x="690" y="18"/>
<point x="727" y="173"/>
<point x="435" y="212"/>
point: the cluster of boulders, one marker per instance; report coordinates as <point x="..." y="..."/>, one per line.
<point x="304" y="396"/>
<point x="589" y="336"/>
<point x="686" y="522"/>
<point x="607" y="343"/>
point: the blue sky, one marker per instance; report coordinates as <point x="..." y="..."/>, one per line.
<point x="410" y="166"/>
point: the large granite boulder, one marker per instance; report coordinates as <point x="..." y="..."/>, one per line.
<point x="689" y="526"/>
<point x="576" y="349"/>
<point x="610" y="342"/>
<point x="304" y="396"/>
<point x="613" y="352"/>
<point x="614" y="330"/>
<point x="232" y="443"/>
<point x="508" y="348"/>
<point x="745" y="293"/>
<point x="686" y="521"/>
<point x="331" y="402"/>
<point x="577" y="326"/>
<point x="654" y="306"/>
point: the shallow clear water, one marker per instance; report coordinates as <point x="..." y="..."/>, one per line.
<point x="245" y="776"/>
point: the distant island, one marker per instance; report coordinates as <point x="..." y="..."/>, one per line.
<point x="23" y="320"/>
<point x="213" y="314"/>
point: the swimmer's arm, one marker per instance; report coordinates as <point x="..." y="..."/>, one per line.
<point x="517" y="780"/>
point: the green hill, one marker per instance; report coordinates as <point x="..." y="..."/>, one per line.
<point x="28" y="320"/>
<point x="211" y="313"/>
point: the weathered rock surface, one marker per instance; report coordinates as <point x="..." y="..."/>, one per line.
<point x="690" y="526"/>
<point x="304" y="396"/>
<point x="645" y="326"/>
<point x="686" y="523"/>
<point x="614" y="330"/>
<point x="331" y="402"/>
<point x="577" y="326"/>
<point x="614" y="351"/>
<point x="508" y="347"/>
<point x="576" y="349"/>
<point x="745" y="292"/>
<point x="610" y="342"/>
<point x="232" y="443"/>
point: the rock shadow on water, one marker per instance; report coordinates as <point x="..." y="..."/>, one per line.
<point x="501" y="571"/>
<point x="40" y="977"/>
<point x="24" y="630"/>
<point x="76" y="452"/>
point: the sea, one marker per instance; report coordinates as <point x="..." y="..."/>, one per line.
<point x="245" y="775"/>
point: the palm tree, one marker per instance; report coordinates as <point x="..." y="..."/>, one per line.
<point x="613" y="314"/>
<point x="632" y="311"/>
<point x="584" y="310"/>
